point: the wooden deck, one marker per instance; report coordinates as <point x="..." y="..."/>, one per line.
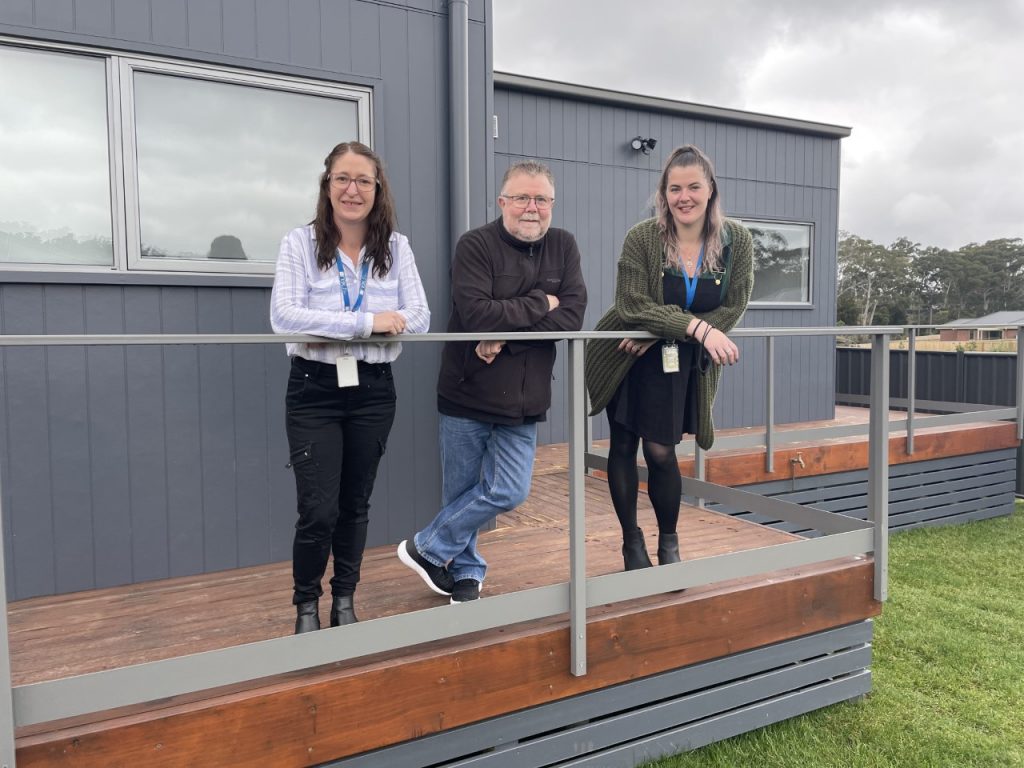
<point x="324" y="714"/>
<point x="746" y="466"/>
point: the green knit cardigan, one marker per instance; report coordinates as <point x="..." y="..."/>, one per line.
<point x="640" y="306"/>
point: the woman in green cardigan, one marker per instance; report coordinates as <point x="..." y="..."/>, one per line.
<point x="684" y="276"/>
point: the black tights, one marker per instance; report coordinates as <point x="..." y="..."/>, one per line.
<point x="664" y="484"/>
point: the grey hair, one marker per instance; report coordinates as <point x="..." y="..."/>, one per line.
<point x="714" y="219"/>
<point x="529" y="167"/>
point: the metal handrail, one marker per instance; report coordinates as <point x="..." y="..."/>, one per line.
<point x="843" y="536"/>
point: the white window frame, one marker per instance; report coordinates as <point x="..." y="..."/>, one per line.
<point x="751" y="221"/>
<point x="121" y="144"/>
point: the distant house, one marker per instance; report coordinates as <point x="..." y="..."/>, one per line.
<point x="998" y="325"/>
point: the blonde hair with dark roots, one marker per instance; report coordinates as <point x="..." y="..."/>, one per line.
<point x="687" y="156"/>
<point x="379" y="224"/>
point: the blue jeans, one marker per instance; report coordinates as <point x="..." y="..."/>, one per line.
<point x="486" y="469"/>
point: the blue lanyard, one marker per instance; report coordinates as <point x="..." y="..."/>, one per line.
<point x="344" y="286"/>
<point x="691" y="282"/>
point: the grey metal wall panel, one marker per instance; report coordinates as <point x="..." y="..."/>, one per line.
<point x="108" y="456"/>
<point x="192" y="473"/>
<point x="30" y="547"/>
<point x="240" y="34"/>
<point x="604" y="187"/>
<point x="147" y="444"/>
<point x="957" y="377"/>
<point x="168" y="24"/>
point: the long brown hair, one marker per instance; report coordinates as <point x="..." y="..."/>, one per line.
<point x="379" y="224"/>
<point x="714" y="220"/>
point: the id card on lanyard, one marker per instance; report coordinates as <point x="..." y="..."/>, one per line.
<point x="348" y="370"/>
<point x="670" y="350"/>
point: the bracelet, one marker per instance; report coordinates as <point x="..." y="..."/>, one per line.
<point x="702" y="338"/>
<point x="697" y="328"/>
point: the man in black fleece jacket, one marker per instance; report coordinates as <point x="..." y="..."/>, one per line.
<point x="514" y="274"/>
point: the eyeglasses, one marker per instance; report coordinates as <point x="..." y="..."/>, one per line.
<point x="523" y="201"/>
<point x="363" y="183"/>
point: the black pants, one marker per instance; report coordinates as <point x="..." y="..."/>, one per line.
<point x="336" y="437"/>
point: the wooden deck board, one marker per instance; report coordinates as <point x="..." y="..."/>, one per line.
<point x="308" y="717"/>
<point x="53" y="637"/>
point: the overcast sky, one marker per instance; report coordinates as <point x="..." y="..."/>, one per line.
<point x="931" y="88"/>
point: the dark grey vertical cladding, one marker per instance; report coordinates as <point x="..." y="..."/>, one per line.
<point x="108" y="429"/>
<point x="125" y="464"/>
<point x="988" y="378"/>
<point x="281" y="483"/>
<point x="70" y="451"/>
<point x="179" y="313"/>
<point x="216" y="432"/>
<point x="251" y="448"/>
<point x="147" y="436"/>
<point x="604" y="187"/>
<point x="28" y="493"/>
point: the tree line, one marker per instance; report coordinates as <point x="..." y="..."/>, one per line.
<point x="907" y="283"/>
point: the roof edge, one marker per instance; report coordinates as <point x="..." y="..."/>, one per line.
<point x="690" y="109"/>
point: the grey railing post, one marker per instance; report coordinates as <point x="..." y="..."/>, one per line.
<point x="699" y="470"/>
<point x="1020" y="382"/>
<point x="577" y="512"/>
<point x="911" y="386"/>
<point x="878" y="461"/>
<point x="6" y="700"/>
<point x="1020" y="409"/>
<point x="769" y="406"/>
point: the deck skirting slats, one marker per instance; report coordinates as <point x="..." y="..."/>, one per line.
<point x="946" y="491"/>
<point x="663" y="714"/>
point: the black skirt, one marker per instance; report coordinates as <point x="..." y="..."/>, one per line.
<point x="660" y="406"/>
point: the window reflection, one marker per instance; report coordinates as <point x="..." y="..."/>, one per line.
<point x="782" y="261"/>
<point x="54" y="159"/>
<point x="224" y="169"/>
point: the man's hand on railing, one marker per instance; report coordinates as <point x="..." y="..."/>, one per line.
<point x="488" y="350"/>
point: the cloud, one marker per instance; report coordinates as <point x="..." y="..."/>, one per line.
<point x="930" y="88"/>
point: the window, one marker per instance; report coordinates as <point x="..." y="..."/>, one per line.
<point x="782" y="262"/>
<point x="54" y="159"/>
<point x="132" y="163"/>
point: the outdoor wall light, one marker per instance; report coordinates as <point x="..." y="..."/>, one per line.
<point x="644" y="145"/>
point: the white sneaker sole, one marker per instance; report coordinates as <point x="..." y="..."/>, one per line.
<point x="408" y="561"/>
<point x="453" y="601"/>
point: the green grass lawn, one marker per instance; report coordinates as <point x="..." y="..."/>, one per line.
<point x="948" y="668"/>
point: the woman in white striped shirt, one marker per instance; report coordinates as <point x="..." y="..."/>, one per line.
<point x="344" y="276"/>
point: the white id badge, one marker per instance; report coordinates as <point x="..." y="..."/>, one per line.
<point x="348" y="371"/>
<point x="670" y="357"/>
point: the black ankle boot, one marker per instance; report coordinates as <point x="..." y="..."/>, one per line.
<point x="668" y="548"/>
<point x="307" y="617"/>
<point x="634" y="551"/>
<point x="342" y="611"/>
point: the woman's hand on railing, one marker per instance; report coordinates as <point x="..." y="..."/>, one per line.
<point x="636" y="347"/>
<point x="388" y="323"/>
<point x="720" y="347"/>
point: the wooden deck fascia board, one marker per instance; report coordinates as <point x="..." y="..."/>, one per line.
<point x="747" y="467"/>
<point x="323" y="715"/>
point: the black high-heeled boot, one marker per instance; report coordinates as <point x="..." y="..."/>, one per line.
<point x="307" y="617"/>
<point x="634" y="550"/>
<point x="668" y="548"/>
<point x="343" y="611"/>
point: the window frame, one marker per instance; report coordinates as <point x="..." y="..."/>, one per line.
<point x="123" y="180"/>
<point x="755" y="221"/>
